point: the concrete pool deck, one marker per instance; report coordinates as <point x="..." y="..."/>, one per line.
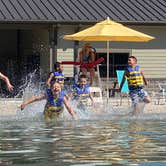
<point x="9" y="106"/>
<point x="156" y="105"/>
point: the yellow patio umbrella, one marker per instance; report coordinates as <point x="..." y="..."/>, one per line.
<point x="108" y="30"/>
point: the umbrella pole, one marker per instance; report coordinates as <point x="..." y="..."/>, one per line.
<point x="107" y="70"/>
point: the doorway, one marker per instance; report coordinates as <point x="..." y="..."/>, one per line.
<point x="118" y="61"/>
<point x="17" y="58"/>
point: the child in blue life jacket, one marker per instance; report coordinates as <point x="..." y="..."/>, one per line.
<point x="57" y="75"/>
<point x="81" y="93"/>
<point x="7" y="81"/>
<point x="56" y="99"/>
<point x="136" y="82"/>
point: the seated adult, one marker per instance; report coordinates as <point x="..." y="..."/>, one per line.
<point x="86" y="56"/>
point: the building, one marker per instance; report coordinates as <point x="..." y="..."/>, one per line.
<point x="32" y="34"/>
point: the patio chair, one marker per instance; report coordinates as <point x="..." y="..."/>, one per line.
<point x="125" y="89"/>
<point x="162" y="88"/>
<point x="97" y="94"/>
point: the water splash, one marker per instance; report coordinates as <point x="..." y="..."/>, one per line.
<point x="31" y="86"/>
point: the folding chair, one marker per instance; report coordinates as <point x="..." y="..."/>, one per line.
<point x="162" y="88"/>
<point x="125" y="88"/>
<point x="97" y="94"/>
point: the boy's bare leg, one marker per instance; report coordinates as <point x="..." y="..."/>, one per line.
<point x="138" y="108"/>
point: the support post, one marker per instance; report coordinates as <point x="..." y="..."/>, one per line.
<point x="107" y="70"/>
<point x="53" y="45"/>
<point x="76" y="44"/>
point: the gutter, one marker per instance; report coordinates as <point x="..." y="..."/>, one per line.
<point x="83" y="22"/>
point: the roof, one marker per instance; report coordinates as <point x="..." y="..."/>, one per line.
<point x="65" y="11"/>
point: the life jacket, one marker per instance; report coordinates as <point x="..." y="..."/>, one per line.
<point x="55" y="102"/>
<point x="135" y="79"/>
<point x="59" y="77"/>
<point x="53" y="107"/>
<point x="81" y="94"/>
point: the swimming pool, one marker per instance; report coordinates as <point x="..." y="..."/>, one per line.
<point x="97" y="140"/>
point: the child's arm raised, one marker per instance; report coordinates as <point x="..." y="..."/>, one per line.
<point x="31" y="100"/>
<point x="49" y="79"/>
<point x="8" y="84"/>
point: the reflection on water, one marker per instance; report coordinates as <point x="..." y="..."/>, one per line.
<point x="99" y="141"/>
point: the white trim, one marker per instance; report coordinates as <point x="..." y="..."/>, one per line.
<point x="113" y="50"/>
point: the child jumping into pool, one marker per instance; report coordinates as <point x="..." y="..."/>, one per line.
<point x="56" y="99"/>
<point x="136" y="82"/>
<point x="57" y="75"/>
<point x="81" y="93"/>
<point x="7" y="81"/>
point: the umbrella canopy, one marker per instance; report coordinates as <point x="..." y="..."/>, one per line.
<point x="108" y="30"/>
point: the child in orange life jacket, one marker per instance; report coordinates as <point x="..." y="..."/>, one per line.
<point x="7" y="81"/>
<point x="56" y="75"/>
<point x="81" y="93"/>
<point x="136" y="82"/>
<point x="56" y="99"/>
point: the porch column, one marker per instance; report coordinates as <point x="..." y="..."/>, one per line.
<point x="53" y="45"/>
<point x="19" y="57"/>
<point x="76" y="44"/>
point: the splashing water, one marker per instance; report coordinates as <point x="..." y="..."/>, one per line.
<point x="104" y="135"/>
<point x="31" y="86"/>
<point x="10" y="108"/>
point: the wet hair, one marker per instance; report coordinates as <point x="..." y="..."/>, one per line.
<point x="82" y="76"/>
<point x="57" y="66"/>
<point x="53" y="82"/>
<point x="133" y="57"/>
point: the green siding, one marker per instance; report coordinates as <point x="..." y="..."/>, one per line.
<point x="152" y="61"/>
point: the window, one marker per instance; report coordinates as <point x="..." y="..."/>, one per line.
<point x="118" y="61"/>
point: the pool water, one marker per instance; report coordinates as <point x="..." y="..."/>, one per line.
<point x="94" y="141"/>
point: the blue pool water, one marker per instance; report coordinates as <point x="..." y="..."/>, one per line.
<point x="27" y="140"/>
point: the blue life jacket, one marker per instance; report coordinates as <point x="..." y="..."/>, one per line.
<point x="81" y="94"/>
<point x="58" y="76"/>
<point x="135" y="79"/>
<point x="55" y="102"/>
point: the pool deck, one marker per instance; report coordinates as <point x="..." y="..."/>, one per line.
<point x="155" y="106"/>
<point x="9" y="106"/>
